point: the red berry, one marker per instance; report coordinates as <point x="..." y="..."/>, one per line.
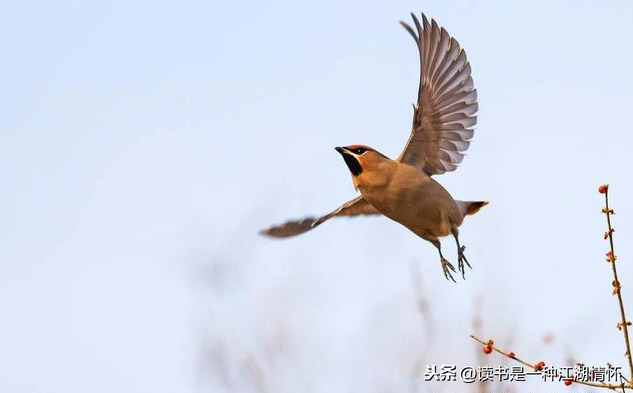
<point x="490" y="343"/>
<point x="511" y="355"/>
<point x="603" y="188"/>
<point x="568" y="382"/>
<point x="487" y="350"/>
<point x="539" y="366"/>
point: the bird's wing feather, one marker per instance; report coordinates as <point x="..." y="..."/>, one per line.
<point x="444" y="115"/>
<point x="356" y="207"/>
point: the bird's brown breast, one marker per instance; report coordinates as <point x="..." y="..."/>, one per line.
<point x="411" y="198"/>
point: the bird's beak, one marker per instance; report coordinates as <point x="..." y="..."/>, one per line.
<point x="340" y="150"/>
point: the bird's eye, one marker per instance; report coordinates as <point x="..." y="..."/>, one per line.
<point x="360" y="150"/>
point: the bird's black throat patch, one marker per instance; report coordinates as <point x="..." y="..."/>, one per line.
<point x="352" y="164"/>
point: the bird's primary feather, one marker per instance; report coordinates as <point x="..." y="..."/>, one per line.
<point x="355" y="207"/>
<point x="444" y="114"/>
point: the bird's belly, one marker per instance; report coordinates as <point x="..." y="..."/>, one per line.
<point x="421" y="209"/>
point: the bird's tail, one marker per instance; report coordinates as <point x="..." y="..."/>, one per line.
<point x="469" y="208"/>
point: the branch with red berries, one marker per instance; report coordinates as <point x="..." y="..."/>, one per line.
<point x="489" y="347"/>
<point x="623" y="325"/>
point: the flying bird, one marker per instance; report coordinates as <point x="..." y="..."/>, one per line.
<point x="404" y="189"/>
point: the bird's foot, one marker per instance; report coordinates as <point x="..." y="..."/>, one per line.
<point x="447" y="267"/>
<point x="461" y="258"/>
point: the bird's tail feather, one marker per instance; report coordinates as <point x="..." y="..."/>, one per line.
<point x="469" y="208"/>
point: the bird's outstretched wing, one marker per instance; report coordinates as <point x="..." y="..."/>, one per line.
<point x="356" y="207"/>
<point x="444" y="115"/>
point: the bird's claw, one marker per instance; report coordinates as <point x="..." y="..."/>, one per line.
<point x="461" y="258"/>
<point x="446" y="265"/>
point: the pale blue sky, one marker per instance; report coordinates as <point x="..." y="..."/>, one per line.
<point x="143" y="145"/>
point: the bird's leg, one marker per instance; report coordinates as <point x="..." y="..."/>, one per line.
<point x="446" y="265"/>
<point x="461" y="258"/>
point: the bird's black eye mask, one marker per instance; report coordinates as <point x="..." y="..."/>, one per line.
<point x="358" y="150"/>
<point x="353" y="164"/>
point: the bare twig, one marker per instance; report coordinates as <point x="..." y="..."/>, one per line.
<point x="611" y="258"/>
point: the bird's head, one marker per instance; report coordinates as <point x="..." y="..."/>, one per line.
<point x="361" y="160"/>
